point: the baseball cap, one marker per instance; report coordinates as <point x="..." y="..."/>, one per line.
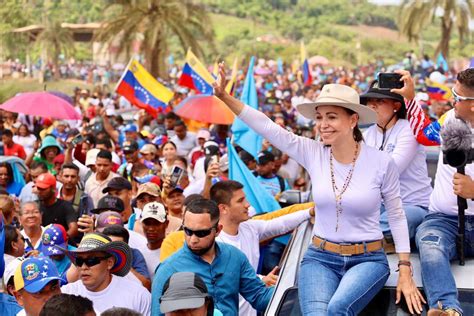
<point x="109" y="203"/>
<point x="130" y="146"/>
<point x="91" y="156"/>
<point x="203" y="133"/>
<point x="117" y="183"/>
<point x="45" y="180"/>
<point x="149" y="188"/>
<point x="265" y="157"/>
<point x="246" y="156"/>
<point x="154" y="210"/>
<point x="33" y="274"/>
<point x="130" y="128"/>
<point x="183" y="290"/>
<point x="107" y="218"/>
<point x="211" y="148"/>
<point x="148" y="149"/>
<point x="11" y="268"/>
<point x="53" y="235"/>
<point x="176" y="189"/>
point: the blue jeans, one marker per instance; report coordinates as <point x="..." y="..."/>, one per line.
<point x="436" y="241"/>
<point x="414" y="214"/>
<point x="331" y="284"/>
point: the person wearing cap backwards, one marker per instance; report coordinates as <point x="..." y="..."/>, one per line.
<point x="36" y="280"/>
<point x="102" y="265"/>
<point x="183" y="139"/>
<point x="54" y="210"/>
<point x="225" y="269"/>
<point x="353" y="179"/>
<point x="55" y="235"/>
<point x="393" y="134"/>
<point x="186" y="294"/>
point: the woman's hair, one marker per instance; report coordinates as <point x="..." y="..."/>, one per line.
<point x="26" y="127"/>
<point x="168" y="142"/>
<point x="356" y="131"/>
<point x="11" y="235"/>
<point x="7" y="206"/>
<point x="9" y="170"/>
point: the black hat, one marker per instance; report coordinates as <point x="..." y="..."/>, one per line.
<point x="375" y="93"/>
<point x="117" y="183"/>
<point x="130" y="146"/>
<point x="265" y="157"/>
<point x="109" y="203"/>
<point x="246" y="156"/>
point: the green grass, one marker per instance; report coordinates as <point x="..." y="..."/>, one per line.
<point x="10" y="87"/>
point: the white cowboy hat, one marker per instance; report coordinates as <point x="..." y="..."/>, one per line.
<point x="339" y="95"/>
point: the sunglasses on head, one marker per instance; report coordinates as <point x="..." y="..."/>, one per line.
<point x="459" y="98"/>
<point x="198" y="233"/>
<point x="90" y="262"/>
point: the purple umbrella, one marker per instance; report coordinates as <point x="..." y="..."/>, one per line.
<point x="63" y="96"/>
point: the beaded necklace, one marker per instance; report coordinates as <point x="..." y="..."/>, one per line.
<point x="338" y="193"/>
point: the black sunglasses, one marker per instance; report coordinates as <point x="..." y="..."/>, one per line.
<point x="199" y="233"/>
<point x="90" y="262"/>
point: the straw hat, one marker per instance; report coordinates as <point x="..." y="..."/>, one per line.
<point x="339" y="95"/>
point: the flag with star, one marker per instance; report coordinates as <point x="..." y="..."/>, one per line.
<point x="195" y="76"/>
<point x="142" y="90"/>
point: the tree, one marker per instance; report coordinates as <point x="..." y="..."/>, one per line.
<point x="155" y="22"/>
<point x="415" y="15"/>
<point x="54" y="40"/>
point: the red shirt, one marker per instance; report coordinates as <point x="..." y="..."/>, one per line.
<point x="15" y="150"/>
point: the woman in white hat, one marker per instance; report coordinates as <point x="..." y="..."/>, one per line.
<point x="345" y="266"/>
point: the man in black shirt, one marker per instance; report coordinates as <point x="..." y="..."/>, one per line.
<point x="53" y="210"/>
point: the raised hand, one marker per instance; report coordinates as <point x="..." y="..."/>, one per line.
<point x="220" y="84"/>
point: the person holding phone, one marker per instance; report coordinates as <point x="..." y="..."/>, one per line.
<point x="345" y="266"/>
<point x="392" y="134"/>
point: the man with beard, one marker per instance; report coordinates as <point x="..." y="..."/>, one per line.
<point x="225" y="269"/>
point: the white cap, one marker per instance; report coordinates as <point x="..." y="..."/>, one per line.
<point x="154" y="210"/>
<point x="91" y="156"/>
<point x="203" y="133"/>
<point x="11" y="268"/>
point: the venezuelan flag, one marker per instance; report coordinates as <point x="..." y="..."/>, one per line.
<point x="307" y="78"/>
<point x="142" y="90"/>
<point x="231" y="84"/>
<point x="195" y="76"/>
<point x="438" y="91"/>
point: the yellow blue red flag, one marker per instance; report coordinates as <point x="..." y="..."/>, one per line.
<point x="142" y="90"/>
<point x="195" y="76"/>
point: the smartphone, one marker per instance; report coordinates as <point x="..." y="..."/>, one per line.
<point x="176" y="174"/>
<point x="390" y="80"/>
<point x="79" y="138"/>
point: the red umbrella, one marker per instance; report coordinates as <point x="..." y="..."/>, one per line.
<point x="205" y="108"/>
<point x="318" y="60"/>
<point x="42" y="104"/>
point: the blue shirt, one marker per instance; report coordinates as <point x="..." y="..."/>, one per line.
<point x="139" y="263"/>
<point x="228" y="275"/>
<point x="8" y="305"/>
<point x="272" y="185"/>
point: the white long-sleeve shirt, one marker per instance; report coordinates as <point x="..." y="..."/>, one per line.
<point x="375" y="178"/>
<point x="248" y="239"/>
<point x="410" y="158"/>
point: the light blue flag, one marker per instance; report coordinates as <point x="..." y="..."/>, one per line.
<point x="441" y="62"/>
<point x="244" y="136"/>
<point x="280" y="66"/>
<point x="471" y="65"/>
<point x="255" y="193"/>
<point x="171" y="59"/>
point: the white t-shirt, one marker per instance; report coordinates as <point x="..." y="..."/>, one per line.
<point x="443" y="199"/>
<point x="410" y="158"/>
<point x="152" y="258"/>
<point x="137" y="240"/>
<point x="184" y="145"/>
<point x="121" y="292"/>
<point x="27" y="142"/>
<point x="248" y="239"/>
<point x="375" y="180"/>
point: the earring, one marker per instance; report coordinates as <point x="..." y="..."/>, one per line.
<point x="394" y="111"/>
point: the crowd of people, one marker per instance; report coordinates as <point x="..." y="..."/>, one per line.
<point x="130" y="214"/>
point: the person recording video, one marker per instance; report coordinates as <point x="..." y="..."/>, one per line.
<point x="436" y="236"/>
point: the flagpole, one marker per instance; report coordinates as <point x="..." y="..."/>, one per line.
<point x="124" y="72"/>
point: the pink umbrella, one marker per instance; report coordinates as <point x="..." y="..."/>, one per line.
<point x="42" y="104"/>
<point x="318" y="60"/>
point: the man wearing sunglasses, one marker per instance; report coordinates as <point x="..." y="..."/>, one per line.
<point x="225" y="269"/>
<point x="436" y="236"/>
<point x="102" y="265"/>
